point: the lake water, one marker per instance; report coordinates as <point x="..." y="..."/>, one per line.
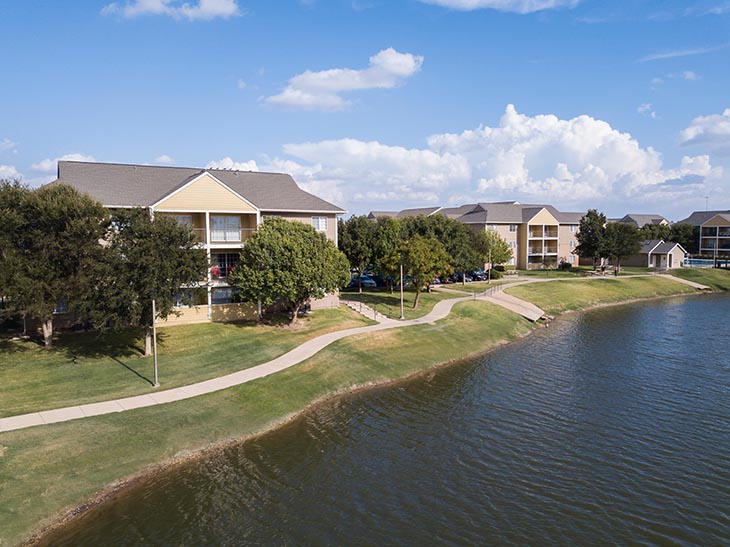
<point x="607" y="428"/>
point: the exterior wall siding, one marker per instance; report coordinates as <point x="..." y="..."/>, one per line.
<point x="306" y="218"/>
<point x="205" y="194"/>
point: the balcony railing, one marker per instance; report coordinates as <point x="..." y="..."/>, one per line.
<point x="224" y="236"/>
<point x="542" y="232"/>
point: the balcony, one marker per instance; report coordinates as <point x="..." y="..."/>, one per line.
<point x="543" y="232"/>
<point x="231" y="236"/>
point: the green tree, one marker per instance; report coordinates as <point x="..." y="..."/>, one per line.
<point x="388" y="238"/>
<point x="12" y="194"/>
<point x="52" y="245"/>
<point x="423" y="259"/>
<point x="621" y="241"/>
<point x="145" y="258"/>
<point x="655" y="231"/>
<point x="289" y="262"/>
<point x="494" y="247"/>
<point x="591" y="236"/>
<point x="357" y="239"/>
<point x="687" y="236"/>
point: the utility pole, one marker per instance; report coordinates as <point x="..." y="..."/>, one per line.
<point x="154" y="340"/>
<point x="489" y="271"/>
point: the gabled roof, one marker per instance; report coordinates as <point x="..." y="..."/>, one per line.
<point x="723" y="216"/>
<point x="127" y="185"/>
<point x="418" y="211"/>
<point x="698" y="218"/>
<point x="379" y="214"/>
<point x="456" y="212"/>
<point x="641" y="220"/>
<point x="659" y="246"/>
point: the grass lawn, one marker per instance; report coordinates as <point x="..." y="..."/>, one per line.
<point x="575" y="271"/>
<point x="44" y="470"/>
<point x="560" y="296"/>
<point x="85" y="368"/>
<point x="718" y="279"/>
<point x="389" y="304"/>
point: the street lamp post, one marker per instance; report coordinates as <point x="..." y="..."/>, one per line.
<point x="154" y="340"/>
<point x="401" y="291"/>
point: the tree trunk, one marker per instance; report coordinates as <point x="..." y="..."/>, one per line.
<point x="463" y="279"/>
<point x="295" y="313"/>
<point x="47" y="327"/>
<point x="595" y="263"/>
<point x="359" y="283"/>
<point x="147" y="341"/>
<point x="415" y="301"/>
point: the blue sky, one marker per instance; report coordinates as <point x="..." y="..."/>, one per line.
<point x="378" y="105"/>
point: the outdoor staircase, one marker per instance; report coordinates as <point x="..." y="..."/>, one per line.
<point x="366" y="311"/>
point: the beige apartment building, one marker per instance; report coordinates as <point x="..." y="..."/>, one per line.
<point x="540" y="236"/>
<point x="223" y="208"/>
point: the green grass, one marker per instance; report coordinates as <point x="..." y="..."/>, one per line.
<point x="559" y="296"/>
<point x="85" y="368"/>
<point x="46" y="470"/>
<point x="575" y="271"/>
<point x="389" y="304"/>
<point x="718" y="279"/>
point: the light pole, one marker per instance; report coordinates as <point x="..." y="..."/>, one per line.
<point x="154" y="340"/>
<point x="401" y="291"/>
<point x="489" y="271"/>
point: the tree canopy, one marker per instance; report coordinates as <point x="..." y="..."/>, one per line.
<point x="357" y="238"/>
<point x="289" y="262"/>
<point x="591" y="236"/>
<point x="621" y="241"/>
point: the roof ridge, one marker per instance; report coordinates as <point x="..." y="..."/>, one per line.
<point x="172" y="167"/>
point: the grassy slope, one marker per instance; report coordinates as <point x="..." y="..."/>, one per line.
<point x="389" y="304"/>
<point x="559" y="296"/>
<point x="46" y="469"/>
<point x="85" y="368"/>
<point x="719" y="280"/>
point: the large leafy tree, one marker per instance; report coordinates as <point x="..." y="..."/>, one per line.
<point x="655" y="231"/>
<point x="621" y="241"/>
<point x="289" y="262"/>
<point x="52" y="243"/>
<point x="357" y="238"/>
<point x="145" y="258"/>
<point x="12" y="193"/>
<point x="423" y="259"/>
<point x="388" y="238"/>
<point x="494" y="247"/>
<point x="591" y="236"/>
<point x="686" y="235"/>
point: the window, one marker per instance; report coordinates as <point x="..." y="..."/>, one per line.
<point x="511" y="261"/>
<point x="572" y="228"/>
<point x="319" y="223"/>
<point x="513" y="227"/>
<point x="493" y="227"/>
<point x="572" y="259"/>
<point x="225" y="228"/>
<point x="572" y="243"/>
<point x="185" y="220"/>
<point x="223" y="264"/>
<point x="512" y="245"/>
<point x="224" y="296"/>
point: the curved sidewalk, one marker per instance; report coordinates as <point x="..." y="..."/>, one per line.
<point x="293" y="357"/>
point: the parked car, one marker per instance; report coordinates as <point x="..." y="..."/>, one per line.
<point x="365" y="280"/>
<point x="479" y="275"/>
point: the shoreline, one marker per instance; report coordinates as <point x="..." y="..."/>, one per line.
<point x="117" y="487"/>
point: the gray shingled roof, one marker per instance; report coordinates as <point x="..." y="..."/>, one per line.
<point x="698" y="218"/>
<point x="658" y="246"/>
<point x="418" y="211"/>
<point x="125" y="185"/>
<point x="649" y="245"/>
<point x="641" y="220"/>
<point x="380" y="214"/>
<point x="456" y="212"/>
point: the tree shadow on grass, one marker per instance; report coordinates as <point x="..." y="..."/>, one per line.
<point x="130" y="369"/>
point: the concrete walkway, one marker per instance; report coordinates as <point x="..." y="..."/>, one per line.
<point x="293" y="357"/>
<point x="698" y="286"/>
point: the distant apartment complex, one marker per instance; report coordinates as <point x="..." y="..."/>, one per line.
<point x="223" y="208"/>
<point x="539" y="235"/>
<point x="714" y="231"/>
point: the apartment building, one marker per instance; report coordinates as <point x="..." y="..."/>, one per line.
<point x="539" y="235"/>
<point x="714" y="232"/>
<point x="223" y="208"/>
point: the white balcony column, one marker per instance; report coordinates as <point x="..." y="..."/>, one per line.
<point x="210" y="275"/>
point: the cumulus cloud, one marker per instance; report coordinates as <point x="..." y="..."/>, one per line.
<point x="202" y="10"/>
<point x="579" y="163"/>
<point x="321" y="90"/>
<point x="713" y="130"/>
<point x="164" y="159"/>
<point x="647" y="109"/>
<point x="49" y="165"/>
<point x="515" y="6"/>
<point x="228" y="163"/>
<point x="8" y="172"/>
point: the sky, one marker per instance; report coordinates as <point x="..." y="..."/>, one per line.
<point x="622" y="106"/>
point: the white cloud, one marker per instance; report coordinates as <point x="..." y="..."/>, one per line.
<point x="689" y="75"/>
<point x="682" y="53"/>
<point x="202" y="10"/>
<point x="321" y="90"/>
<point x="8" y="172"/>
<point x="241" y="84"/>
<point x="164" y="159"/>
<point x="647" y="109"/>
<point x="49" y="165"/>
<point x="228" y="163"/>
<point x="575" y="163"/>
<point x="6" y="145"/>
<point x="515" y="6"/>
<point x="713" y="130"/>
